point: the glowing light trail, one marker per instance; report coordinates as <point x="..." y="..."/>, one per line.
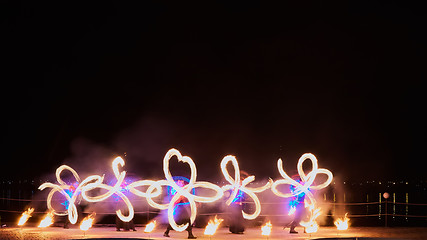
<point x="184" y="191"/>
<point x="292" y="210"/>
<point x="71" y="211"/>
<point x="307" y="182"/>
<point x="307" y="179"/>
<point x="311" y="225"/>
<point x="116" y="189"/>
<point x="235" y="186"/>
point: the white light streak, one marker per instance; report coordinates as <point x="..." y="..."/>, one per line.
<point x="236" y="185"/>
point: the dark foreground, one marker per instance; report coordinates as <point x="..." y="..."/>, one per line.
<point x="222" y="233"/>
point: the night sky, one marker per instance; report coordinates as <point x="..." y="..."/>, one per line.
<point x="344" y="81"/>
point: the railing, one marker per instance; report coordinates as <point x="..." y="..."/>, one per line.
<point x="385" y="209"/>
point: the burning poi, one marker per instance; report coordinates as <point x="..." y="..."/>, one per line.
<point x="150" y="227"/>
<point x="87" y="222"/>
<point x="47" y="220"/>
<point x="25" y="216"/>
<point x="342" y="224"/>
<point x="311" y="225"/>
<point x="266" y="229"/>
<point x="213" y="226"/>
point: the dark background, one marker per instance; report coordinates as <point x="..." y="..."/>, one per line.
<point x="82" y="83"/>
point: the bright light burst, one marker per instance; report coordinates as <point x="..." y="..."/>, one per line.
<point x="150" y="227"/>
<point x="342" y="224"/>
<point x="25" y="216"/>
<point x="213" y="226"/>
<point x="47" y="220"/>
<point x="311" y="225"/>
<point x="266" y="229"/>
<point x="236" y="185"/>
<point x="87" y="222"/>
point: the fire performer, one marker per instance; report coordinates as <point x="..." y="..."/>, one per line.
<point x="236" y="207"/>
<point x="70" y="192"/>
<point x="182" y="211"/>
<point x="297" y="206"/>
<point x="127" y="226"/>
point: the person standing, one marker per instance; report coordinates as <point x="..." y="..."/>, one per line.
<point x="298" y="204"/>
<point x="70" y="191"/>
<point x="127" y="226"/>
<point x="237" y="221"/>
<point x="124" y="189"/>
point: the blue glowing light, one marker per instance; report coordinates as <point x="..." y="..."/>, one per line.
<point x="171" y="192"/>
<point x="298" y="198"/>
<point x="124" y="188"/>
<point x="239" y="197"/>
<point x="70" y="193"/>
<point x="66" y="202"/>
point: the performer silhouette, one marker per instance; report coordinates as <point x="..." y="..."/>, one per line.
<point x="298" y="203"/>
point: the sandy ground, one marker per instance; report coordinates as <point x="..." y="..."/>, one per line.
<point x="222" y="233"/>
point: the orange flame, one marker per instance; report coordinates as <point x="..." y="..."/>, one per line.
<point x="266" y="229"/>
<point x="25" y="216"/>
<point x="342" y="224"/>
<point x="47" y="220"/>
<point x="87" y="222"/>
<point x="311" y="225"/>
<point x="150" y="227"/>
<point x="213" y="226"/>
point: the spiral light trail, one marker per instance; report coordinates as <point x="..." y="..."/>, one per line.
<point x="184" y="191"/>
<point x="236" y="185"/>
<point x="307" y="183"/>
